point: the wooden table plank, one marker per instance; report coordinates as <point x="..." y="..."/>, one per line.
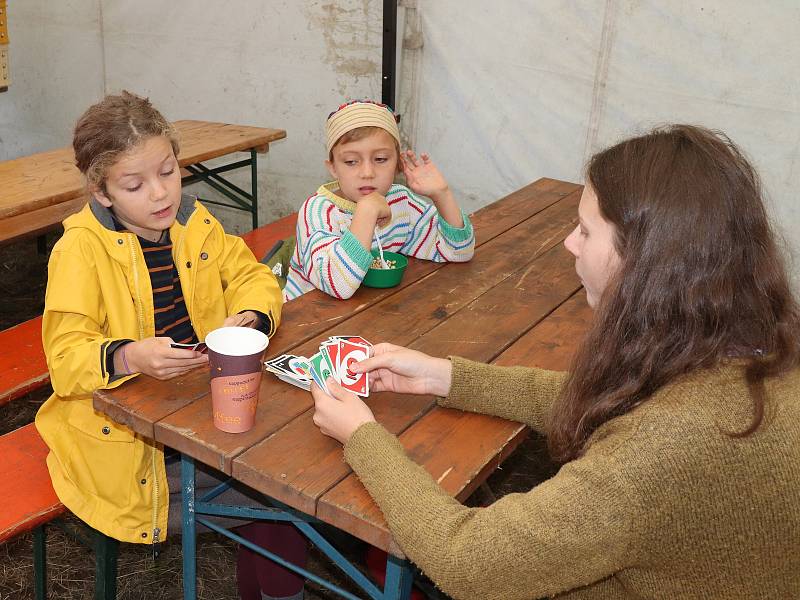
<point x="145" y="396"/>
<point x="300" y="487"/>
<point x="256" y="466"/>
<point x="202" y="140"/>
<point x="451" y="445"/>
<point x="478" y="332"/>
<point x="320" y="312"/>
<point x="191" y="430"/>
<point x="549" y="345"/>
<point x="542" y="207"/>
<point x="501" y="215"/>
<point x="34" y="182"/>
<point x="38" y="221"/>
<point x="493" y="262"/>
<point x="552" y="343"/>
<point x="434" y="299"/>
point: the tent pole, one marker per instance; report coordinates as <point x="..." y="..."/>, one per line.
<point x="389" y="52"/>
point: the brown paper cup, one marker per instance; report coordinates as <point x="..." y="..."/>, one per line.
<point x="235" y="355"/>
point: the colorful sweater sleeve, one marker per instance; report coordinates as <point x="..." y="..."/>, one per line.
<point x="331" y="261"/>
<point x="433" y="238"/>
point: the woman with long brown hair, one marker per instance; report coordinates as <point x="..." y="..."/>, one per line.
<point x="678" y="423"/>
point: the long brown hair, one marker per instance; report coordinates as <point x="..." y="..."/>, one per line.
<point x="112" y="127"/>
<point x="700" y="280"/>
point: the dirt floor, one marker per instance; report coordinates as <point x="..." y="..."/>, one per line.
<point x="23" y="278"/>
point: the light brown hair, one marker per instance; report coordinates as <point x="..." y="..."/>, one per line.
<point x="701" y="280"/>
<point x="114" y="126"/>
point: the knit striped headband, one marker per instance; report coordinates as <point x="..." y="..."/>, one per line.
<point x="360" y="113"/>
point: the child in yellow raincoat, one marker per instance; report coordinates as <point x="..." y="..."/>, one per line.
<point x="139" y="267"/>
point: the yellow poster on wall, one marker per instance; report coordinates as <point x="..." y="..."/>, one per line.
<point x="5" y="78"/>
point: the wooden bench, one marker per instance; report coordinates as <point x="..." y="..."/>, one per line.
<point x="261" y="240"/>
<point x="23" y="367"/>
<point x="30" y="503"/>
<point x="27" y="498"/>
<point x="27" y="495"/>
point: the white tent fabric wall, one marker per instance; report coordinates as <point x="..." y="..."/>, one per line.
<point x="500" y="93"/>
<point x="505" y="93"/>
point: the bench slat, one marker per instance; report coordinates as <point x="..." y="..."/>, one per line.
<point x="261" y="240"/>
<point x="27" y="497"/>
<point x="22" y="362"/>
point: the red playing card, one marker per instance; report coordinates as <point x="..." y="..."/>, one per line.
<point x="350" y="352"/>
<point x="357" y="339"/>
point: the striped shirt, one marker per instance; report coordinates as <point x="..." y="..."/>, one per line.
<point x="328" y="257"/>
<point x="171" y="316"/>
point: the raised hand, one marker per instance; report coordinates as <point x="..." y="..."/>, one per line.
<point x="422" y="176"/>
<point x="398" y="369"/>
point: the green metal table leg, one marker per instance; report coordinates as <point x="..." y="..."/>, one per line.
<point x="242" y="199"/>
<point x="40" y="563"/>
<point x="106" y="550"/>
<point x="254" y="187"/>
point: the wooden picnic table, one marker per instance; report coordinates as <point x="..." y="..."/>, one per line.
<point x="518" y="301"/>
<point x="41" y="190"/>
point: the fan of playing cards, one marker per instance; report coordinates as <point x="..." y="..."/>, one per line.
<point x="334" y="358"/>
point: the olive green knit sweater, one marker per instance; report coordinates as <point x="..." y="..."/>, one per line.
<point x="663" y="504"/>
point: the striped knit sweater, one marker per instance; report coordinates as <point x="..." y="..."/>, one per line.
<point x="330" y="258"/>
<point x="663" y="504"/>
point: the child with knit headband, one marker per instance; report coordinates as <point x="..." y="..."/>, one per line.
<point x="336" y="226"/>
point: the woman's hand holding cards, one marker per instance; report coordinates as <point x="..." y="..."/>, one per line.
<point x="392" y="369"/>
<point x="339" y="414"/>
<point x="405" y="371"/>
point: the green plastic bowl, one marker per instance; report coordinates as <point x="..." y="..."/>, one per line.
<point x="386" y="278"/>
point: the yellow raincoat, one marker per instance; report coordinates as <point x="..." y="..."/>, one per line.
<point x="98" y="292"/>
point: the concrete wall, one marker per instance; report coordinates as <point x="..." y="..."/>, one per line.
<point x="283" y="64"/>
<point x="56" y="66"/>
<point x="499" y="93"/>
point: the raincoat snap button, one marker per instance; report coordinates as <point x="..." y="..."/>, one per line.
<point x="120" y="242"/>
<point x="143" y="481"/>
<point x="144" y="534"/>
<point x="204" y="255"/>
<point x="188" y="264"/>
<point x="106" y="430"/>
<point x="207" y="221"/>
